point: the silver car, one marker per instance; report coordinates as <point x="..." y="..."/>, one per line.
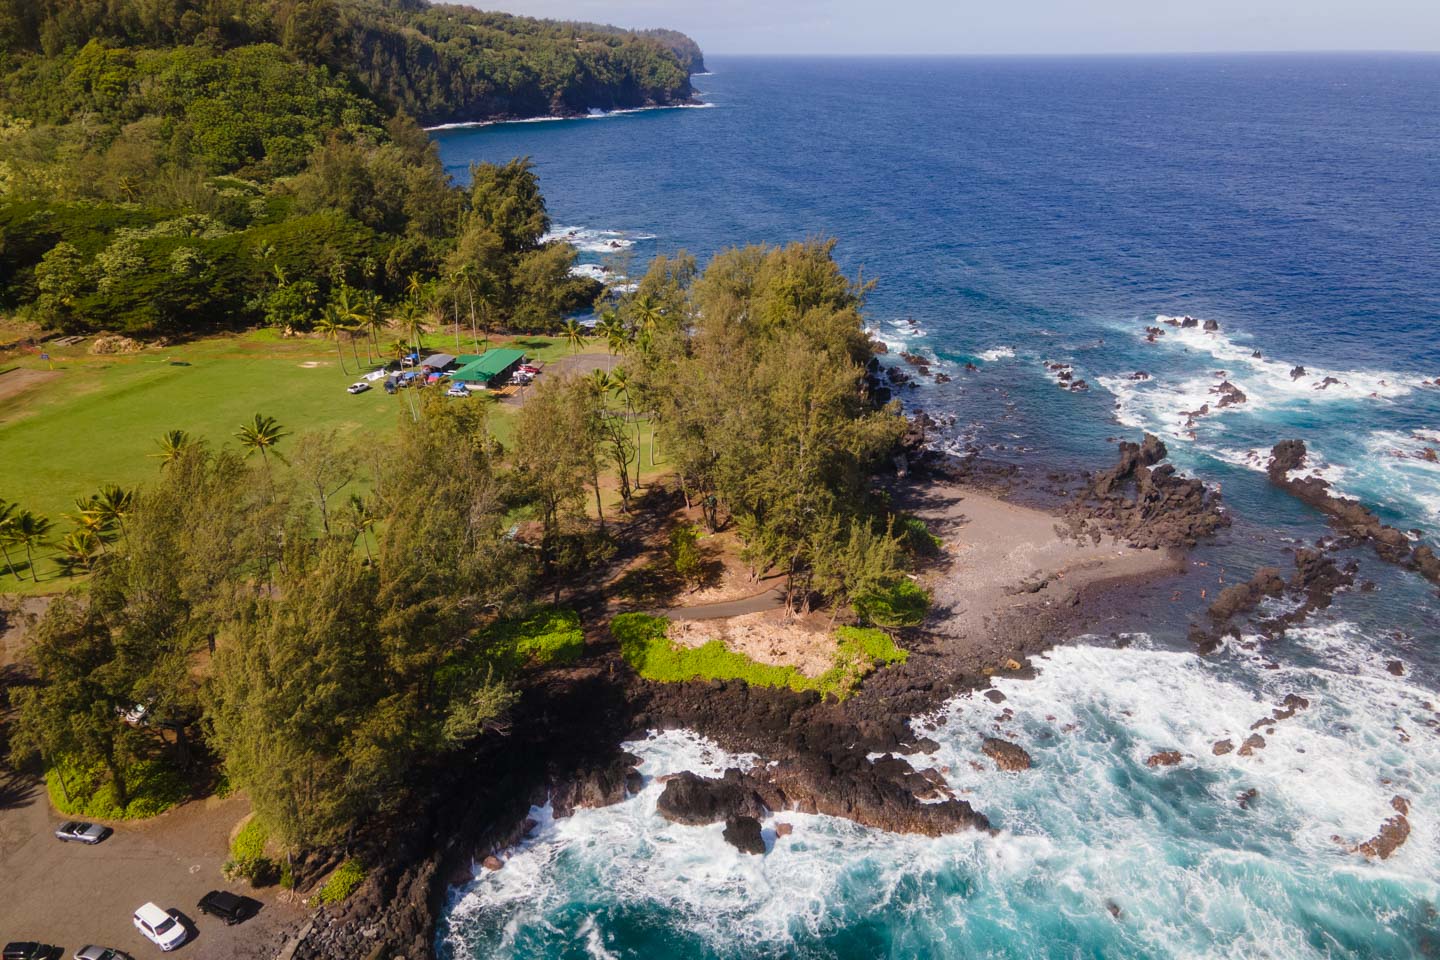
<point x="78" y="831"/>
<point x="93" y="952"/>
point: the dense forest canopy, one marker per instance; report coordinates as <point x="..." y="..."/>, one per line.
<point x="170" y="166"/>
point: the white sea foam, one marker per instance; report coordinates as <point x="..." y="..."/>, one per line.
<point x="595" y="241"/>
<point x="594" y="114"/>
<point x="1191" y="870"/>
<point x="998" y="353"/>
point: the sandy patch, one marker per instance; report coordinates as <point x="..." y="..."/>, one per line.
<point x="17" y="380"/>
<point x="1001" y="557"/>
<point x="312" y="364"/>
<point x="804" y="643"/>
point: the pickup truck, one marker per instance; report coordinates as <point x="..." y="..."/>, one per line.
<point x="230" y="907"/>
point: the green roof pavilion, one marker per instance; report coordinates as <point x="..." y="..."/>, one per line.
<point x="492" y="366"/>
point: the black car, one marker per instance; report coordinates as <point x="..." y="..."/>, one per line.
<point x="29" y="950"/>
<point x="230" y="907"/>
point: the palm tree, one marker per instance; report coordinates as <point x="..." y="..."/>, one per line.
<point x="373" y="319"/>
<point x="113" y="504"/>
<point x="612" y="329"/>
<point x="350" y="311"/>
<point x="88" y="521"/>
<point x="172" y="445"/>
<point x="620" y="383"/>
<point x="362" y="519"/>
<point x="262" y="434"/>
<point x="412" y="321"/>
<point x="599" y="383"/>
<point x="574" y="333"/>
<point x="30" y="530"/>
<point x="7" y="534"/>
<point x="79" y="550"/>
<point x="465" y="279"/>
<point x="330" y="326"/>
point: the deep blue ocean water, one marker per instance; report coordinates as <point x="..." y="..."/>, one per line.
<point x="1019" y="212"/>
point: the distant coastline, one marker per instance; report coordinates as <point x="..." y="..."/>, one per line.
<point x="550" y="118"/>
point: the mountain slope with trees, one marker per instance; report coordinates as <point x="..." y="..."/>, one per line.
<point x="168" y="168"/>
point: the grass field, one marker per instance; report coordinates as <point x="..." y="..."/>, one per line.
<point x="77" y="421"/>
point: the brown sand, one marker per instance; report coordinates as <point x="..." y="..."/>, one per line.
<point x="1001" y="558"/>
<point x="769" y="636"/>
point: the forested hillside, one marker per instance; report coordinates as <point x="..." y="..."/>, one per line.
<point x="168" y="166"/>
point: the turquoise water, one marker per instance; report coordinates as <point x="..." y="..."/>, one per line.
<point x="1018" y="212"/>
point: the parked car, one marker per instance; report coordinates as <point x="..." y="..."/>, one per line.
<point x="93" y="952"/>
<point x="457" y="390"/>
<point x="138" y="715"/>
<point x="29" y="950"/>
<point x="529" y="368"/>
<point x="230" y="907"/>
<point x="358" y="387"/>
<point x="160" y="927"/>
<point x="78" y="831"/>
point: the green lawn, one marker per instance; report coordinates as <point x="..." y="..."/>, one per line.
<point x="96" y="419"/>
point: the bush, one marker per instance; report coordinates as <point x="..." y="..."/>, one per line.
<point x="547" y="637"/>
<point x="343" y="882"/>
<point x="646" y="647"/>
<point x="154" y="788"/>
<point x="247" y="855"/>
<point x="685" y="553"/>
<point x="903" y="604"/>
<point x="918" y="537"/>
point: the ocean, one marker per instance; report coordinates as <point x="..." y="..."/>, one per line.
<point x="1024" y="212"/>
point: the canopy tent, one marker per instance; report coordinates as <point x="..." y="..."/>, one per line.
<point x="492" y="367"/>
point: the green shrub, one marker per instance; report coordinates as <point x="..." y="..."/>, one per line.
<point x="247" y="855"/>
<point x="903" y="604"/>
<point x="547" y="637"/>
<point x="685" y="553"/>
<point x="646" y="647"/>
<point x="287" y="875"/>
<point x="343" y="882"/>
<point x="918" y="537"/>
<point x="80" y="789"/>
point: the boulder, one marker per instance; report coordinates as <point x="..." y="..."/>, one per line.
<point x="1165" y="758"/>
<point x="743" y="833"/>
<point x="694" y="800"/>
<point x="1007" y="756"/>
<point x="1222" y="747"/>
<point x="1212" y="326"/>
<point x="783" y="829"/>
<point x="492" y="862"/>
<point x="1252" y="743"/>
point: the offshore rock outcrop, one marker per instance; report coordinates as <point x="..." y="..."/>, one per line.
<point x="1146" y="505"/>
<point x="1350" y="517"/>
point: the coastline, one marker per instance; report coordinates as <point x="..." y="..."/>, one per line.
<point x="575" y="719"/>
<point x="691" y="104"/>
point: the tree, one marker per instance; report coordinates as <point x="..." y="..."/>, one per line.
<point x="113" y="504"/>
<point x="323" y="469"/>
<point x="331" y="326"/>
<point x="75" y="710"/>
<point x="555" y="457"/>
<point x="575" y="334"/>
<point x="79" y="551"/>
<point x="172" y="445"/>
<point x="7" y="522"/>
<point x="30" y="530"/>
<point x="261" y="436"/>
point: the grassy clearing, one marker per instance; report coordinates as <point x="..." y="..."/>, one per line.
<point x="82" y="421"/>
<point x="84" y="790"/>
<point x="646" y="647"/>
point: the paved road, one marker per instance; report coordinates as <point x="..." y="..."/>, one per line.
<point x="71" y="895"/>
<point x="772" y="599"/>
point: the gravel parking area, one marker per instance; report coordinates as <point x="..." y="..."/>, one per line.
<point x="70" y="895"/>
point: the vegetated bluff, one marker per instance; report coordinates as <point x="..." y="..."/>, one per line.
<point x="439" y="63"/>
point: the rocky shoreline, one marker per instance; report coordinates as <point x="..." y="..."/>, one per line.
<point x="566" y="735"/>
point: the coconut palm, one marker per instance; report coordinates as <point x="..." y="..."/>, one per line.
<point x="79" y="550"/>
<point x="612" y="328"/>
<point x="30" y="530"/>
<point x="172" y="445"/>
<point x="466" y="281"/>
<point x="574" y="333"/>
<point x="620" y="383"/>
<point x="412" y="321"/>
<point x="88" y="521"/>
<point x="331" y="326"/>
<point x="373" y="319"/>
<point x="261" y="435"/>
<point x="113" y="504"/>
<point x="599" y="383"/>
<point x="349" y="306"/>
<point x="7" y="521"/>
<point x="362" y="519"/>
